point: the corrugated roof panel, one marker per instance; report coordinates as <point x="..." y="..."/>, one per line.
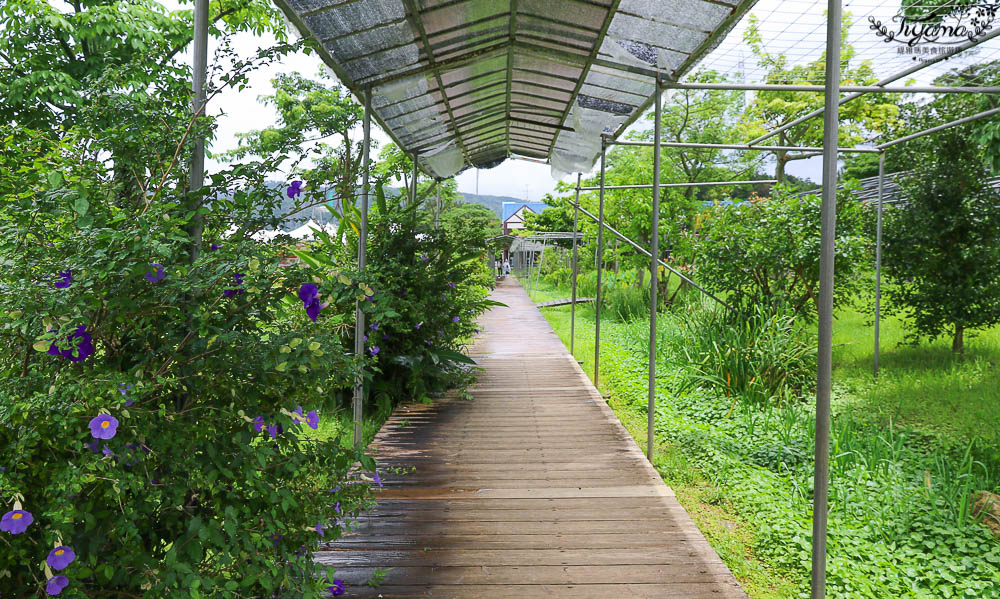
<point x="464" y="81"/>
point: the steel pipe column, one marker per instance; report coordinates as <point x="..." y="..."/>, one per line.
<point x="437" y="206"/>
<point x="413" y="191"/>
<point x="654" y="269"/>
<point x="600" y="269"/>
<point x="199" y="71"/>
<point x="359" y="315"/>
<point x="828" y="220"/>
<point x="572" y="301"/>
<point x="878" y="257"/>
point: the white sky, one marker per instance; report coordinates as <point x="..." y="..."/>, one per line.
<point x="793" y="27"/>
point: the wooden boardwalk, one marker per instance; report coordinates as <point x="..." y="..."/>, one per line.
<point x="532" y="489"/>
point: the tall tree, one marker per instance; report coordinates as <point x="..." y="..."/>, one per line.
<point x="942" y="245"/>
<point x="864" y="117"/>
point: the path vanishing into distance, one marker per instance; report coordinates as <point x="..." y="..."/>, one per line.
<point x="532" y="488"/>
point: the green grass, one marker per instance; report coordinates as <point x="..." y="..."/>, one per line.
<point x="927" y="386"/>
<point x="902" y="467"/>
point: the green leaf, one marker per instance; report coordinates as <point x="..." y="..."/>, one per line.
<point x="80" y="206"/>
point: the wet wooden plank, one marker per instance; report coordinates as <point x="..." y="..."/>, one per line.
<point x="531" y="489"/>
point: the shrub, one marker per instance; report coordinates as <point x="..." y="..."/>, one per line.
<point x="757" y="358"/>
<point x="765" y="252"/>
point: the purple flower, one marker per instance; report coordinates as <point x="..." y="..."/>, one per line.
<point x="60" y="557"/>
<point x="418" y="325"/>
<point x="94" y="446"/>
<point x="373" y="326"/>
<point x="338" y="587"/>
<point x="364" y="337"/>
<point x="309" y="294"/>
<point x="424" y="258"/>
<point x="312" y="419"/>
<point x="337" y="508"/>
<point x="80" y="352"/>
<point x="103" y="426"/>
<point x="258" y="423"/>
<point x="370" y="298"/>
<point x="294" y="189"/>
<point x="377" y="479"/>
<point x="319" y="528"/>
<point x="156" y="275"/>
<point x="216" y="246"/>
<point x="272" y="429"/>
<point x="16" y="521"/>
<point x="374" y="350"/>
<point x="107" y="451"/>
<point x="455" y="319"/>
<point x="67" y="279"/>
<point x="129" y="402"/>
<point x="452" y="285"/>
<point x="233" y="292"/>
<point x="124" y="390"/>
<point x="56" y="584"/>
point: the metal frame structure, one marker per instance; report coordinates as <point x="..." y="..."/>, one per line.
<point x="521" y="120"/>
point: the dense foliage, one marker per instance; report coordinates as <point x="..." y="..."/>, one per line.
<point x="764" y="254"/>
<point x="165" y="369"/>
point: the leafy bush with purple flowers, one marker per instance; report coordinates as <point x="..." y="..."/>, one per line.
<point x="159" y="373"/>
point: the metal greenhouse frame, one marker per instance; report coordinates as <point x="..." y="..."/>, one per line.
<point x="473" y="82"/>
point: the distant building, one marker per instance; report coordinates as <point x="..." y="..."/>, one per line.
<point x="514" y="212"/>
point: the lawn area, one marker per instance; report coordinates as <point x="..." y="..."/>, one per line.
<point x="902" y="467"/>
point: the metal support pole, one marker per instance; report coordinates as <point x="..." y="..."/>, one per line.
<point x="198" y="101"/>
<point x="705" y="184"/>
<point x="878" y="257"/>
<point x="541" y="260"/>
<point x="600" y="268"/>
<point x="413" y="192"/>
<point x="865" y="89"/>
<point x="828" y="220"/>
<point x="572" y="301"/>
<point x="359" y="316"/>
<point x="962" y="121"/>
<point x="437" y="206"/>
<point x="654" y="269"/>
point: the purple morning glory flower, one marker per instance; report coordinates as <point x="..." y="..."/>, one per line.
<point x="16" y="521"/>
<point x="124" y="390"/>
<point x="294" y="189"/>
<point x="258" y="423"/>
<point x="338" y="587"/>
<point x="129" y="402"/>
<point x="374" y="350"/>
<point x="418" y="325"/>
<point x="93" y="446"/>
<point x="452" y="285"/>
<point x="312" y="419"/>
<point x="80" y="352"/>
<point x="60" y="557"/>
<point x="424" y="258"/>
<point x="107" y="451"/>
<point x="455" y="319"/>
<point x="156" y="275"/>
<point x="337" y="508"/>
<point x="364" y="337"/>
<point x="103" y="426"/>
<point x="309" y="294"/>
<point x="320" y="528"/>
<point x="56" y="584"/>
<point x="272" y="429"/>
<point x="233" y="292"/>
<point x="370" y="298"/>
<point x="373" y="326"/>
<point x="216" y="246"/>
<point x="377" y="479"/>
<point x="67" y="279"/>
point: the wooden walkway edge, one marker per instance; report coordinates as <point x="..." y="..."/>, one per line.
<point x="532" y="489"/>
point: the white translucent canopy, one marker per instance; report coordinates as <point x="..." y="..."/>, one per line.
<point x="471" y="82"/>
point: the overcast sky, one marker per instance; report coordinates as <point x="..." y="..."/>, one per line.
<point x="240" y="111"/>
